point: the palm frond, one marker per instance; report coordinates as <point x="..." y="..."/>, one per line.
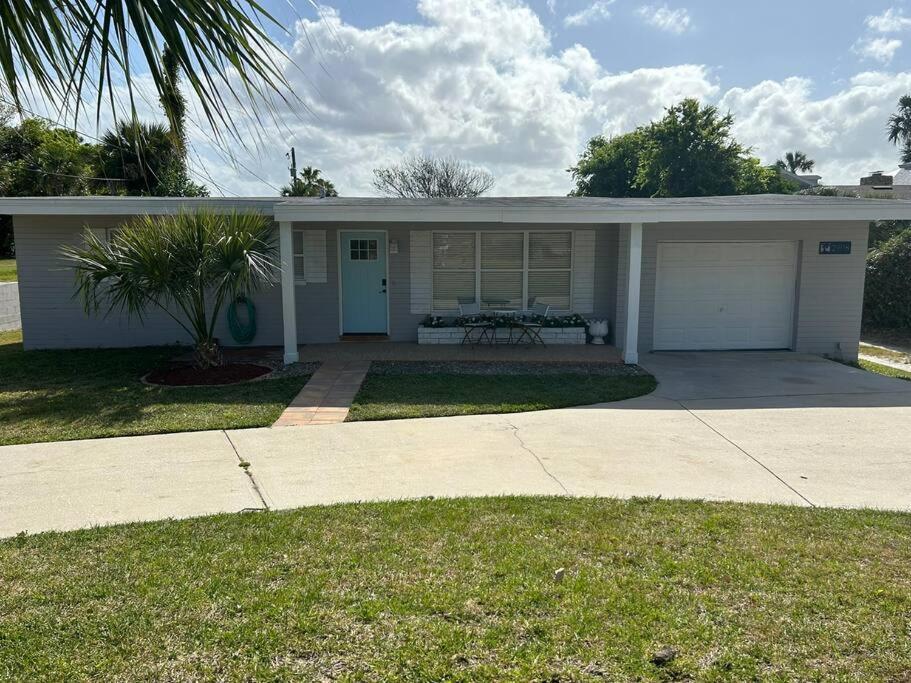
<point x="186" y="265"/>
<point x="221" y="46"/>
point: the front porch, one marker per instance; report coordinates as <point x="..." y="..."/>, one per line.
<point x="599" y="281"/>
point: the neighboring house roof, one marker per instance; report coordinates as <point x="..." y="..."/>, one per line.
<point x="879" y="185"/>
<point x="803" y="182"/>
<point x="878" y="192"/>
<point x="735" y="208"/>
<point x="902" y="175"/>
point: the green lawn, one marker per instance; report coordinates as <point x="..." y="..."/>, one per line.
<point x="386" y="397"/>
<point x="885" y="354"/>
<point x="59" y="395"/>
<point x="464" y="590"/>
<point x="881" y="369"/>
<point x="7" y="270"/>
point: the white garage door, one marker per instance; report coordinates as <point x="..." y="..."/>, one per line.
<point x="725" y="295"/>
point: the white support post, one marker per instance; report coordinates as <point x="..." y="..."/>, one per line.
<point x="289" y="307"/>
<point x="634" y="273"/>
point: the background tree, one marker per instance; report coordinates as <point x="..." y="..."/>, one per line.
<point x="899" y="128"/>
<point x="67" y="48"/>
<point x="796" y="162"/>
<point x="38" y="160"/>
<point x="608" y="166"/>
<point x="186" y="266"/>
<point x="690" y="152"/>
<point x="422" y="176"/>
<point x="309" y="183"/>
<point x="143" y="159"/>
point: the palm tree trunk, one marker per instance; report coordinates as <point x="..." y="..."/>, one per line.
<point x="207" y="354"/>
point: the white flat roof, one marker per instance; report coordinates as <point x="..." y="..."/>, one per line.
<point x="488" y="209"/>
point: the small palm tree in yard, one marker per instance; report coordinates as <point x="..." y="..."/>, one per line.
<point x="187" y="265"/>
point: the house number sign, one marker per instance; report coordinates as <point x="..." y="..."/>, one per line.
<point x="834" y="248"/>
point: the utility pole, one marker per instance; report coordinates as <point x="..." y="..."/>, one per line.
<point x="293" y="166"/>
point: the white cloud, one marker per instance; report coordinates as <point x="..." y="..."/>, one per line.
<point x="843" y="132"/>
<point x="890" y="21"/>
<point x="597" y="11"/>
<point x="451" y="85"/>
<point x="880" y="49"/>
<point x="663" y="17"/>
<point x="552" y="6"/>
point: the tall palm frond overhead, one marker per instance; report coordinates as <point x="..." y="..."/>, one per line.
<point x="58" y="46"/>
<point x="899" y="128"/>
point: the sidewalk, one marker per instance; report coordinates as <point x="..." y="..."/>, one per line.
<point x="754" y="428"/>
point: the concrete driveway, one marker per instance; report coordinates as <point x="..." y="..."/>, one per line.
<point x="760" y="427"/>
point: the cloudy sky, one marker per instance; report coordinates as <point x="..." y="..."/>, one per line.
<point x="518" y="87"/>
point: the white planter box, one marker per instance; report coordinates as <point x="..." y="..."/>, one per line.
<point x="454" y="335"/>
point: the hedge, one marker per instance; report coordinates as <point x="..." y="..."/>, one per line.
<point x="887" y="294"/>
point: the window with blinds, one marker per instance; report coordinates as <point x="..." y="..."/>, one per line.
<point x="298" y="255"/>
<point x="550" y="263"/>
<point x="454" y="270"/>
<point x="506" y="270"/>
<point x="502" y="270"/>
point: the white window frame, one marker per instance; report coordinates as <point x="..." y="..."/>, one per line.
<point x="525" y="269"/>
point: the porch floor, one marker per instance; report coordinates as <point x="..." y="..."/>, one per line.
<point x="412" y="351"/>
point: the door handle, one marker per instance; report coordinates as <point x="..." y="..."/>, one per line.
<point x="383" y="290"/>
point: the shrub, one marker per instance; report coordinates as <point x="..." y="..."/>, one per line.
<point x="887" y="296"/>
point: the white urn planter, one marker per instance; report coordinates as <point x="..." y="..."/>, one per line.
<point x="598" y="330"/>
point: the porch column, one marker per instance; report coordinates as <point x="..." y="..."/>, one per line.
<point x="634" y="275"/>
<point x="289" y="308"/>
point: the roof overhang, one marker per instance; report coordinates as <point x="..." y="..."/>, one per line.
<point x="130" y="206"/>
<point x="863" y="210"/>
<point x="550" y="210"/>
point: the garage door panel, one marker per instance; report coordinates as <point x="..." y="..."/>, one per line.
<point x="725" y="295"/>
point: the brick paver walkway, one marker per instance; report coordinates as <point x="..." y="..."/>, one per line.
<point x="327" y="397"/>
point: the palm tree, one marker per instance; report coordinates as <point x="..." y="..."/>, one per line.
<point x="900" y="128"/>
<point x="221" y="45"/>
<point x="309" y="183"/>
<point x="187" y="266"/>
<point x="145" y="157"/>
<point x="796" y="161"/>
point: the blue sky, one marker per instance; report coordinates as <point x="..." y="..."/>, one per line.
<point x="519" y="87"/>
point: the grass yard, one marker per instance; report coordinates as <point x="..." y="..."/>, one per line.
<point x="8" y="270"/>
<point x="886" y="370"/>
<point x="464" y="590"/>
<point x="884" y="354"/>
<point x="390" y="396"/>
<point x="60" y="395"/>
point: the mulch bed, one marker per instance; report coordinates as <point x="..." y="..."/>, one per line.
<point x="187" y="375"/>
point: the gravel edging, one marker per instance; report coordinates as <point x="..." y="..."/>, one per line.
<point x="281" y="371"/>
<point x="503" y="368"/>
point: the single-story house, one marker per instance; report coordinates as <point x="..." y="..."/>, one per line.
<point x="746" y="272"/>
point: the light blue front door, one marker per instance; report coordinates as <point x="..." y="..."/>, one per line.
<point x="363" y="282"/>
